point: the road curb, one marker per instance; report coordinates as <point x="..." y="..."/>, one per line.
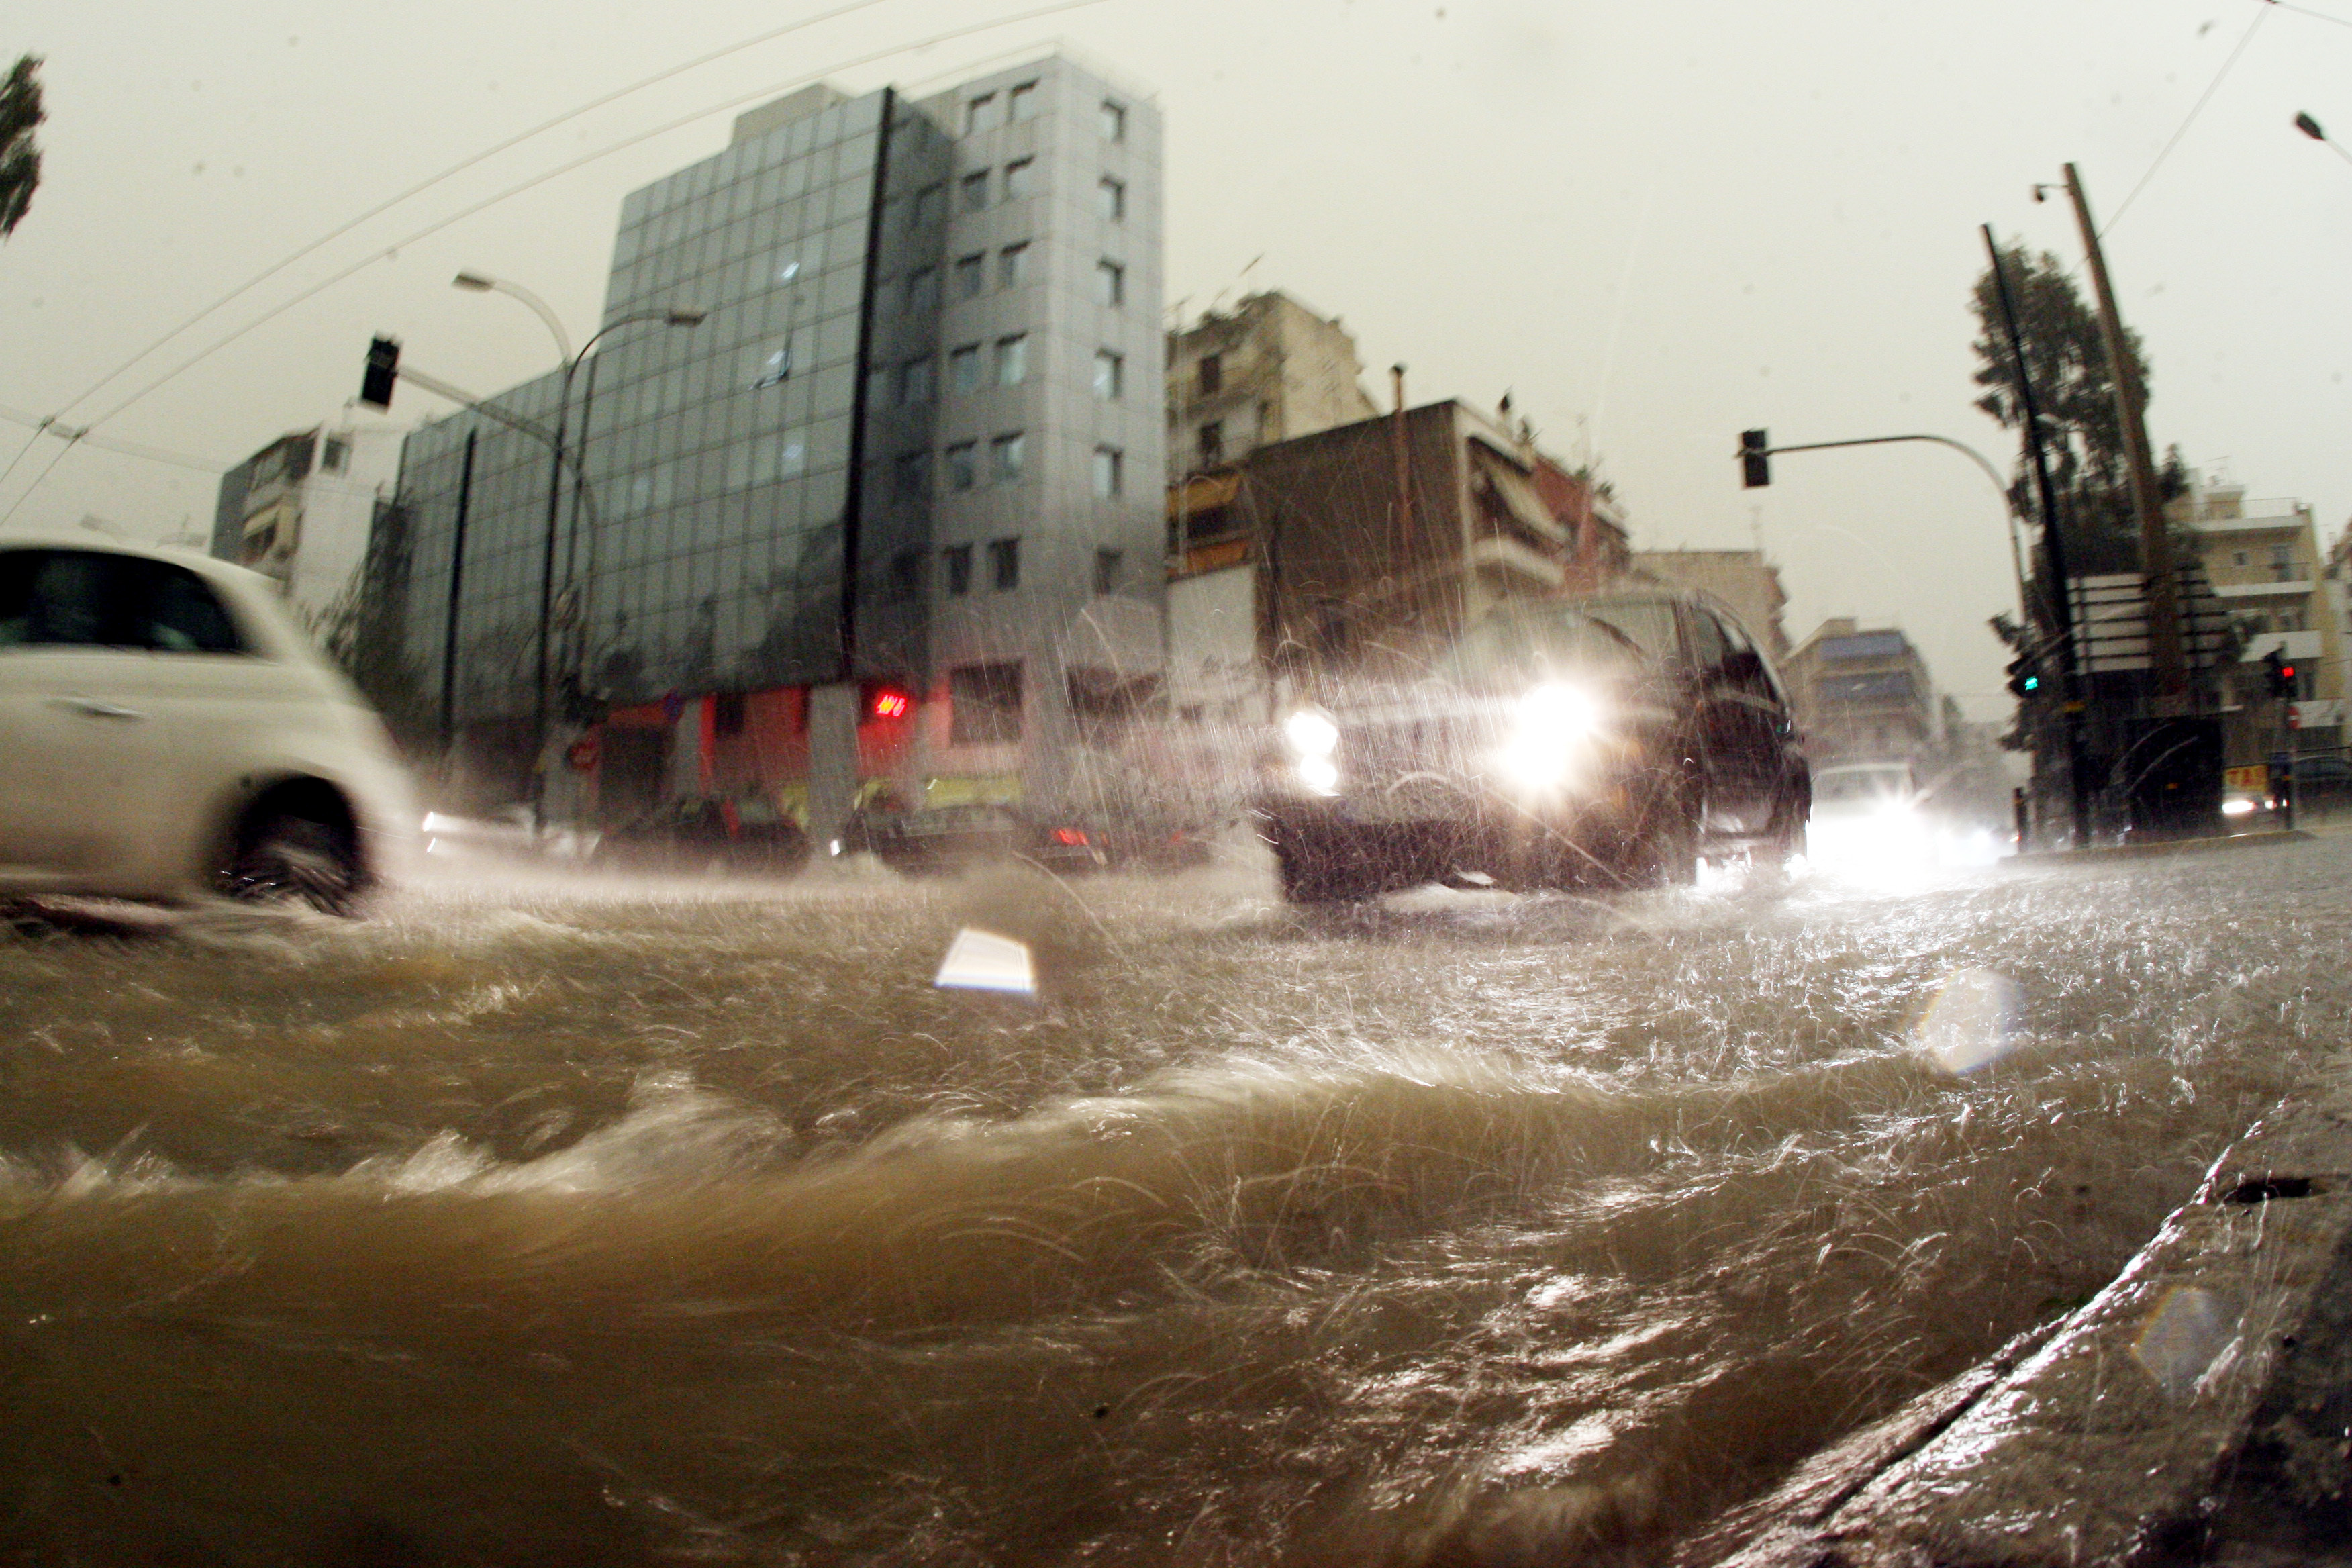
<point x="2171" y="1415"/>
<point x="2156" y="850"/>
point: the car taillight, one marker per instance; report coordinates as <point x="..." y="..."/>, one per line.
<point x="1070" y="835"/>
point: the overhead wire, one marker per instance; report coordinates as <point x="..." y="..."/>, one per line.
<point x="2307" y="10"/>
<point x="71" y="442"/>
<point x="2195" y="110"/>
<point x="454" y="169"/>
<point x="585" y="159"/>
<point x="83" y="434"/>
<point x="128" y="449"/>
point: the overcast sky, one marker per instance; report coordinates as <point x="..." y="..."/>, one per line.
<point x="1654" y="226"/>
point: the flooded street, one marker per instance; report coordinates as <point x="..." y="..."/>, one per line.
<point x="694" y="1223"/>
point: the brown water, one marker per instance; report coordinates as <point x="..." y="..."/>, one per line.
<point x="639" y="1226"/>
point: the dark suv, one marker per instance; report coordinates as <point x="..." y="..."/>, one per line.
<point x="1606" y="740"/>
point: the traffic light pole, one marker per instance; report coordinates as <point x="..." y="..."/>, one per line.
<point x="2054" y="539"/>
<point x="1756" y="452"/>
<point x="2166" y="654"/>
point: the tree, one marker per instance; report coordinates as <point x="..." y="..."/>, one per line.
<point x="20" y="158"/>
<point x="2081" y="427"/>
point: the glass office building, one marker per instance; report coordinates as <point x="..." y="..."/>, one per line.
<point x="911" y="444"/>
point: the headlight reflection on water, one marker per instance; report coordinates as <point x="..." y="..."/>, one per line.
<point x="1972" y="1023"/>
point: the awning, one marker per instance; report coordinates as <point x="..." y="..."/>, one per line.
<point x="1517" y="494"/>
<point x="1206" y="492"/>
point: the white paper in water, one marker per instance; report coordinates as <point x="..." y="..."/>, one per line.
<point x="982" y="961"/>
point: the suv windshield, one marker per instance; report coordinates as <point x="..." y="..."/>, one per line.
<point x="1510" y="647"/>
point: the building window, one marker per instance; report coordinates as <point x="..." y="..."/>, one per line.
<point x="985" y="702"/>
<point x="1107" y="465"/>
<point x="1013" y="360"/>
<point x="333" y="453"/>
<point x="963" y="370"/>
<point x="914" y="475"/>
<point x="980" y="113"/>
<point x="922" y="291"/>
<point x="957" y="558"/>
<point x="970" y="273"/>
<point x="1111" y="284"/>
<point x="924" y="210"/>
<point x="1004" y="564"/>
<point x="1212" y="443"/>
<point x="1110" y="376"/>
<point x="917" y="384"/>
<point x="1020" y="178"/>
<point x="905" y="574"/>
<point x="1012" y="265"/>
<point x="2241" y="558"/>
<point x="1112" y="121"/>
<point x="975" y="187"/>
<point x="1006" y="453"/>
<point x="2282" y="562"/>
<point x="1023" y="100"/>
<point x="1212" y="374"/>
<point x="963" y="465"/>
<point x="1113" y="198"/>
<point x="1107" y="571"/>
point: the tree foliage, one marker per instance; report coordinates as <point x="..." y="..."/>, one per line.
<point x="20" y="156"/>
<point x="2081" y="427"/>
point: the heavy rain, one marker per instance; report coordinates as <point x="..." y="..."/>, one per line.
<point x="1074" y="781"/>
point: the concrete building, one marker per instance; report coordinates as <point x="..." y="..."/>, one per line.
<point x="303" y="508"/>
<point x="2263" y="561"/>
<point x="1862" y="696"/>
<point x="1377" y="538"/>
<point x="1269" y="370"/>
<point x="1741" y="579"/>
<point x="914" y="444"/>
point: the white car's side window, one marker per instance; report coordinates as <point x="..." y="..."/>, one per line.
<point x="89" y="598"/>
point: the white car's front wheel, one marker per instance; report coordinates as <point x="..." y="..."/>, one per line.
<point x="286" y="857"/>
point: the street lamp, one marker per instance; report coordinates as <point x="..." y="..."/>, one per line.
<point x="2311" y="127"/>
<point x="682" y="316"/>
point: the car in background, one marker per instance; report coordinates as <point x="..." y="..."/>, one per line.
<point x="508" y="836"/>
<point x="942" y="840"/>
<point x="747" y="835"/>
<point x="1605" y="740"/>
<point x="1872" y="811"/>
<point x="167" y="732"/>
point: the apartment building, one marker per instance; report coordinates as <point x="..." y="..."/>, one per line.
<point x="302" y="510"/>
<point x="1267" y="370"/>
<point x="2263" y="560"/>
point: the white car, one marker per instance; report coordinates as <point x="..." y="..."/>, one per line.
<point x="167" y="731"/>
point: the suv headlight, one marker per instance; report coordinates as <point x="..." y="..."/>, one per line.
<point x="1311" y="733"/>
<point x="1551" y="722"/>
<point x="1314" y="742"/>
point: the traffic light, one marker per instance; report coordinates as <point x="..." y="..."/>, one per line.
<point x="382" y="369"/>
<point x="2024" y="677"/>
<point x="1755" y="460"/>
<point x="2278" y="674"/>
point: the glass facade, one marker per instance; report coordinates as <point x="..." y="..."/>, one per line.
<point x="708" y="549"/>
<point x="913" y="345"/>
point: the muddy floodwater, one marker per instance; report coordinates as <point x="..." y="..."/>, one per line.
<point x="552" y="1223"/>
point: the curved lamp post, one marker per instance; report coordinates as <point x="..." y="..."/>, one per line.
<point x="2311" y="127"/>
<point x="481" y="283"/>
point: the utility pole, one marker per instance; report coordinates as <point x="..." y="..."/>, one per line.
<point x="2165" y="655"/>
